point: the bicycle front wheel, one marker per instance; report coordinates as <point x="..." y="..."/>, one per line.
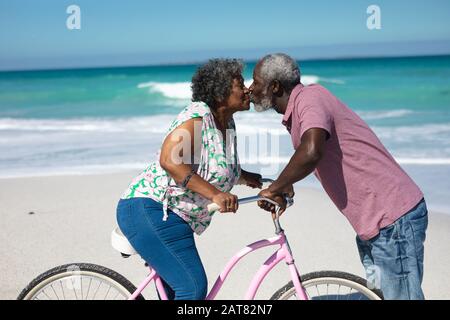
<point x="330" y="285"/>
<point x="79" y="281"/>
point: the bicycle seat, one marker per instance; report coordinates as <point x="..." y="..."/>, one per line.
<point x="121" y="244"/>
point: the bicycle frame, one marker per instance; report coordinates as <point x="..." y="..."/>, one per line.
<point x="283" y="253"/>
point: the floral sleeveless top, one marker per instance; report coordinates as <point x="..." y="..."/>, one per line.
<point x="218" y="164"/>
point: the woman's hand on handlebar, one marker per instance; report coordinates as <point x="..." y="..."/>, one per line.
<point x="228" y="202"/>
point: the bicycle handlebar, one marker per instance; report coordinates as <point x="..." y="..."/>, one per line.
<point x="214" y="206"/>
<point x="289" y="202"/>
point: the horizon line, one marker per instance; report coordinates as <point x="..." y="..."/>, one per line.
<point x="251" y="60"/>
<point x="198" y="62"/>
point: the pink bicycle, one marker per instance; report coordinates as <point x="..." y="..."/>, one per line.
<point x="84" y="281"/>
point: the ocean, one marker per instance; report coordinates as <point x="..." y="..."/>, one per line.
<point x="83" y="121"/>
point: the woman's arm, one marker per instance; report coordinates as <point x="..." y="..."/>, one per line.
<point x="177" y="156"/>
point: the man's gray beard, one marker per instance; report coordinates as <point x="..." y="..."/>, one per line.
<point x="264" y="106"/>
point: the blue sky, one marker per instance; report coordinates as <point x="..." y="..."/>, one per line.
<point x="33" y="34"/>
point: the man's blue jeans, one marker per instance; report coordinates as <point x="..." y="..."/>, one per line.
<point x="394" y="258"/>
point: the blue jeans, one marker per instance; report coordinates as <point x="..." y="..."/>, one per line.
<point x="394" y="258"/>
<point x="167" y="246"/>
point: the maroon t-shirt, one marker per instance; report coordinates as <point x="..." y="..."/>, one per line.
<point x="359" y="175"/>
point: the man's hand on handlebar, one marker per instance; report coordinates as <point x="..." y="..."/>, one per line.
<point x="289" y="191"/>
<point x="278" y="198"/>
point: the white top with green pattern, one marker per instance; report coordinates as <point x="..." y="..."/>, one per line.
<point x="218" y="164"/>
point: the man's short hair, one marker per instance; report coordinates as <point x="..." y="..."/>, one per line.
<point x="281" y="67"/>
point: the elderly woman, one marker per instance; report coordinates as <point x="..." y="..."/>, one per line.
<point x="198" y="164"/>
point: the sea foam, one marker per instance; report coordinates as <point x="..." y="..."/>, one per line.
<point x="182" y="90"/>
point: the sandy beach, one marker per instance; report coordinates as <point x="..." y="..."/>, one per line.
<point x="74" y="215"/>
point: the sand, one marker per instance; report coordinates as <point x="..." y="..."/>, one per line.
<point x="74" y="215"/>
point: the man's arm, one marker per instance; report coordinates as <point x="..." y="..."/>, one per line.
<point x="304" y="160"/>
<point x="301" y="164"/>
<point x="252" y="179"/>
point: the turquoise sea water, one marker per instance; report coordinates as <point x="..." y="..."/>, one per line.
<point x="96" y="120"/>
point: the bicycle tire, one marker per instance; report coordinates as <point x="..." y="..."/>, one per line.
<point x="334" y="277"/>
<point x="76" y="269"/>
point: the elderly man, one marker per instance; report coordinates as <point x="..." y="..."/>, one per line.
<point x="382" y="203"/>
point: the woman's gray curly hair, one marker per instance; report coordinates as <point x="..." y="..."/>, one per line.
<point x="212" y="82"/>
<point x="281" y="67"/>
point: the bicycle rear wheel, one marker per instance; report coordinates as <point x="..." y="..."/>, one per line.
<point x="330" y="285"/>
<point x="79" y="281"/>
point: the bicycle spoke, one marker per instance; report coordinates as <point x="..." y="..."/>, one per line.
<point x="307" y="294"/>
<point x="318" y="294"/>
<point x="73" y="287"/>
<point x="62" y="290"/>
<point x="118" y="292"/>
<point x="107" y="292"/>
<point x="57" y="297"/>
<point x="43" y="291"/>
<point x="338" y="295"/>
<point x="81" y="286"/>
<point x="97" y="290"/>
<point x="89" y="288"/>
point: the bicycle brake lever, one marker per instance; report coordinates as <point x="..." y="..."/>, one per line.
<point x="289" y="200"/>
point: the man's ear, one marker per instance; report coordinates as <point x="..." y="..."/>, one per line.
<point x="277" y="88"/>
